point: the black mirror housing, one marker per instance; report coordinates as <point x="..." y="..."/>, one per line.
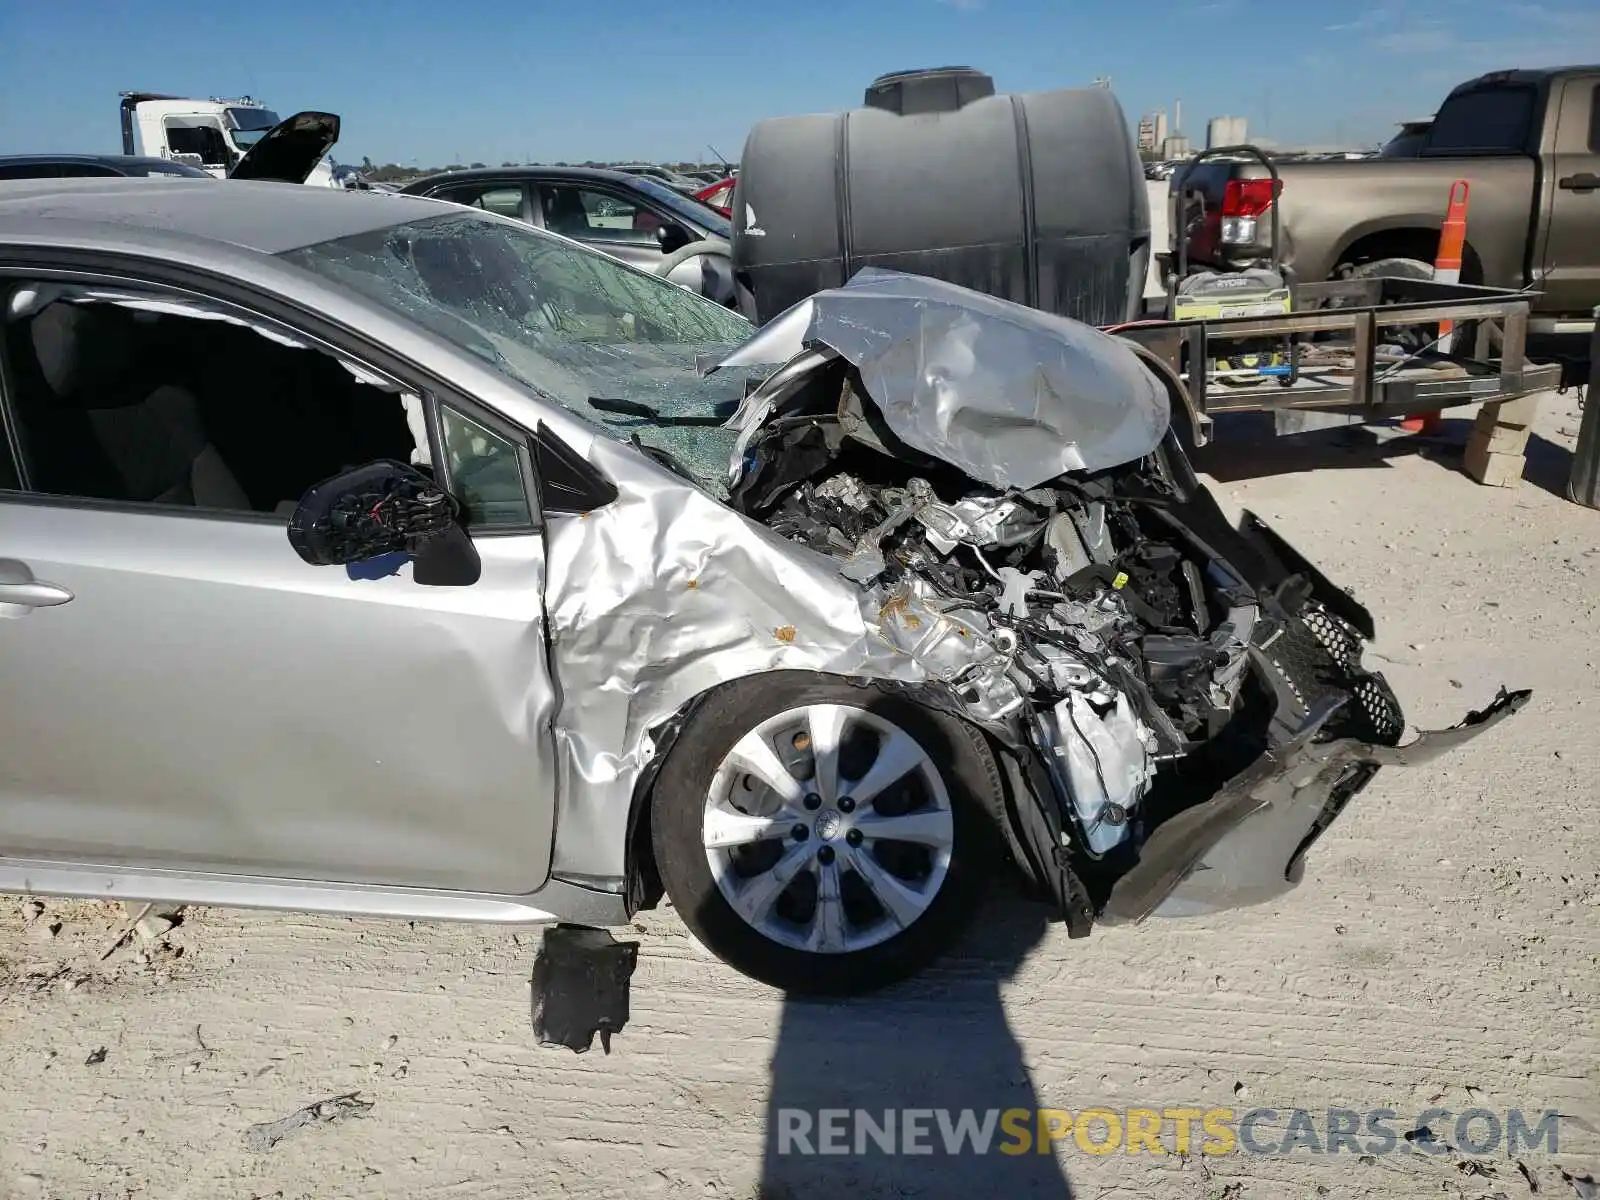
<point x="384" y="508"/>
<point x="672" y="237"/>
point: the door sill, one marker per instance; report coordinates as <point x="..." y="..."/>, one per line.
<point x="556" y="901"/>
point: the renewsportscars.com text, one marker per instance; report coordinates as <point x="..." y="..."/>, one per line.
<point x="1214" y="1131"/>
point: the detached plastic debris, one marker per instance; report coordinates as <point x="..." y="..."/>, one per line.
<point x="580" y="986"/>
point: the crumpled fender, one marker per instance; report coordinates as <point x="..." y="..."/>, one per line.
<point x="663" y="594"/>
<point x="1246" y="844"/>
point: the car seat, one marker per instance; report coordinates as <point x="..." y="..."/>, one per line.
<point x="564" y="212"/>
<point x="106" y="426"/>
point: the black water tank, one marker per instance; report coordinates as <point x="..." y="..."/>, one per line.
<point x="937" y="89"/>
<point x="1038" y="198"/>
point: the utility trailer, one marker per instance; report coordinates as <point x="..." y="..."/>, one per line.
<point x="1346" y="349"/>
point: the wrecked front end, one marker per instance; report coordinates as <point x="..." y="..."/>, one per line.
<point x="1179" y="702"/>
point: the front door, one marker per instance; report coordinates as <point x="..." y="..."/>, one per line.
<point x="1572" y="187"/>
<point x="181" y="691"/>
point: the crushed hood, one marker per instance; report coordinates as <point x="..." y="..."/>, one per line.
<point x="290" y="150"/>
<point x="1009" y="395"/>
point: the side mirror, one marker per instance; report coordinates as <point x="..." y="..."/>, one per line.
<point x="672" y="237"/>
<point x="385" y="508"/>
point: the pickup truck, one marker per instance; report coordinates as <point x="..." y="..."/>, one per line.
<point x="1527" y="143"/>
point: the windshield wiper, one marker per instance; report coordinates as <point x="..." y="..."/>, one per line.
<point x="633" y="408"/>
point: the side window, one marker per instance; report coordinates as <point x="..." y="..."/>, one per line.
<point x="30" y="170"/>
<point x="116" y="404"/>
<point x="204" y="140"/>
<point x="507" y="201"/>
<point x="596" y="215"/>
<point x="1594" y="119"/>
<point x="485" y="473"/>
<point x="1489" y="121"/>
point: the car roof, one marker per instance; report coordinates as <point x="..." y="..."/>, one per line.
<point x="266" y="217"/>
<point x="592" y="174"/>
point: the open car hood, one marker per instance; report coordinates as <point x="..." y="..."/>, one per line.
<point x="290" y="150"/>
<point x="1009" y="395"/>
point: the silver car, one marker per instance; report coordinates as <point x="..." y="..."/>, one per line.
<point x="369" y="554"/>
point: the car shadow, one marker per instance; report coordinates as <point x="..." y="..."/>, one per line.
<point x="939" y="1042"/>
<point x="1245" y="447"/>
<point x="919" y="1088"/>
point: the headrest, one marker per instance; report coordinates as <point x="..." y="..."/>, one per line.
<point x="565" y="205"/>
<point x="81" y="348"/>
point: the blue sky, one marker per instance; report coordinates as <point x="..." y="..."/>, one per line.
<point x="491" y="80"/>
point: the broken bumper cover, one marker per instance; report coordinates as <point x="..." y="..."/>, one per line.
<point x="1247" y="844"/>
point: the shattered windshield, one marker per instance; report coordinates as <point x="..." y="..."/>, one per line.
<point x="614" y="345"/>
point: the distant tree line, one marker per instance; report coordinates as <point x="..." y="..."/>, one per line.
<point x="396" y="172"/>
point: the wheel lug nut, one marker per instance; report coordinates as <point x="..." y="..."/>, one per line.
<point x="854" y="837"/>
<point x="825" y="855"/>
<point x="813" y="801"/>
<point x="846" y="804"/>
<point x="800" y="833"/>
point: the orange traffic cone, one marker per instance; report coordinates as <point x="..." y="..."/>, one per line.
<point x="1446" y="269"/>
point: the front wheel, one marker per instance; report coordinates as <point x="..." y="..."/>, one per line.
<point x="823" y="836"/>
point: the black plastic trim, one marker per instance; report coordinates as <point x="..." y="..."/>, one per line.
<point x="567" y="482"/>
<point x="1332" y="597"/>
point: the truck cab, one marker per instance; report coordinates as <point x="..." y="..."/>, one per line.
<point x="213" y="134"/>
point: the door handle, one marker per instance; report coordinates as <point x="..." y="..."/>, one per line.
<point x="1588" y="181"/>
<point x="37" y="594"/>
<point x="19" y="587"/>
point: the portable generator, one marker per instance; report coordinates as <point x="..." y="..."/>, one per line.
<point x="1254" y="292"/>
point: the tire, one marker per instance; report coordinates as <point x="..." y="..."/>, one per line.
<point x="954" y="792"/>
<point x="1411" y="338"/>
<point x="1402" y="268"/>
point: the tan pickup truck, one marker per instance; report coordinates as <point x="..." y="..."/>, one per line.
<point x="1527" y="143"/>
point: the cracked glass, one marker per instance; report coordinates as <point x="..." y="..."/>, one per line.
<point x="566" y="322"/>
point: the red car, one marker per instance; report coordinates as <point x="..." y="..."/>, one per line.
<point x="719" y="196"/>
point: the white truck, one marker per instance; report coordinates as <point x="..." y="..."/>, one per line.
<point x="213" y="134"/>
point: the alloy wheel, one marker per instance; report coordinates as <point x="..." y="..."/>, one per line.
<point x="828" y="829"/>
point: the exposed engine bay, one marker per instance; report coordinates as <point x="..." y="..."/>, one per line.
<point x="1146" y="651"/>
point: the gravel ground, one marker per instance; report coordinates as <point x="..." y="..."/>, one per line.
<point x="1443" y="951"/>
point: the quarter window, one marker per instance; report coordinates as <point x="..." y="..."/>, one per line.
<point x="485" y="472"/>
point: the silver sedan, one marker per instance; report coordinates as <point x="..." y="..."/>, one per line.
<point x="368" y="554"/>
